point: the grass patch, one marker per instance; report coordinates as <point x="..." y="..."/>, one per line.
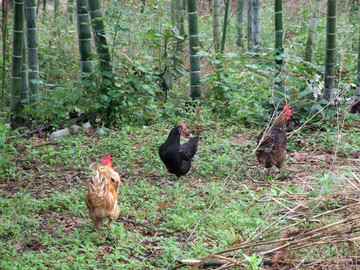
<point x="44" y="217"/>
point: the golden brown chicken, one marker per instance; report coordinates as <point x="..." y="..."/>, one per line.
<point x="102" y="197"/>
<point x="272" y="142"/>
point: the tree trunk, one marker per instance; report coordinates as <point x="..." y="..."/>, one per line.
<point x="85" y="38"/>
<point x="330" y="50"/>
<point x="240" y="22"/>
<point x="195" y="88"/>
<point x="225" y="26"/>
<point x="312" y="31"/>
<point x="102" y="48"/>
<point x="18" y="36"/>
<point x="32" y="48"/>
<point x="216" y="25"/>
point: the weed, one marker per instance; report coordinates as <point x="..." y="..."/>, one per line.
<point x="6" y="149"/>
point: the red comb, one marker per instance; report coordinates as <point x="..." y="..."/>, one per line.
<point x="105" y="160"/>
<point x="182" y="125"/>
<point x="286" y="107"/>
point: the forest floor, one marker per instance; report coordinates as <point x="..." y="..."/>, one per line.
<point x="306" y="216"/>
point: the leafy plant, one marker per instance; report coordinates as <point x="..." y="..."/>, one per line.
<point x="169" y="62"/>
<point x="254" y="262"/>
<point x="6" y="149"/>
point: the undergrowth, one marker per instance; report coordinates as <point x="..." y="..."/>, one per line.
<point x="44" y="217"/>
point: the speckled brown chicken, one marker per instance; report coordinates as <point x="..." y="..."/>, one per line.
<point x="272" y="143"/>
<point x="102" y="197"/>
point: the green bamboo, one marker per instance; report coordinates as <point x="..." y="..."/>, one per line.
<point x="102" y="48"/>
<point x="44" y="6"/>
<point x="172" y="11"/>
<point x="312" y="31"/>
<point x="330" y="60"/>
<point x="70" y="10"/>
<point x="37" y="7"/>
<point x="278" y="32"/>
<point x="4" y="23"/>
<point x="256" y="24"/>
<point x="249" y="29"/>
<point x="18" y="36"/>
<point x="195" y="87"/>
<point x="85" y="39"/>
<point x="143" y="5"/>
<point x="216" y="25"/>
<point x="225" y="26"/>
<point x="239" y="22"/>
<point x="357" y="95"/>
<point x="24" y="96"/>
<point x="353" y="10"/>
<point x="32" y="48"/>
<point x="56" y="8"/>
<point x="180" y="16"/>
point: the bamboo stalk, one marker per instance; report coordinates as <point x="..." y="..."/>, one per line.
<point x="70" y="10"/>
<point x="330" y="59"/>
<point x="239" y="22"/>
<point x="85" y="38"/>
<point x="56" y="8"/>
<point x="249" y="29"/>
<point x="312" y="31"/>
<point x="44" y="6"/>
<point x="97" y="22"/>
<point x="357" y="94"/>
<point x="257" y="24"/>
<point x="216" y="25"/>
<point x="4" y="35"/>
<point x="195" y="87"/>
<point x="278" y="33"/>
<point x="180" y="16"/>
<point x="32" y="48"/>
<point x="225" y="26"/>
<point x="24" y="96"/>
<point x="18" y="36"/>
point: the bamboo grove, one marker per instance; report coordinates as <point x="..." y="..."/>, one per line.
<point x="25" y="82"/>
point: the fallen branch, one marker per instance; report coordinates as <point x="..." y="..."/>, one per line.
<point x="63" y="123"/>
<point x="354" y="261"/>
<point x="45" y="144"/>
<point x="41" y="134"/>
<point x="120" y="219"/>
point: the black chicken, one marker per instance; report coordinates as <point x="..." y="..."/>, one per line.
<point x="177" y="158"/>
